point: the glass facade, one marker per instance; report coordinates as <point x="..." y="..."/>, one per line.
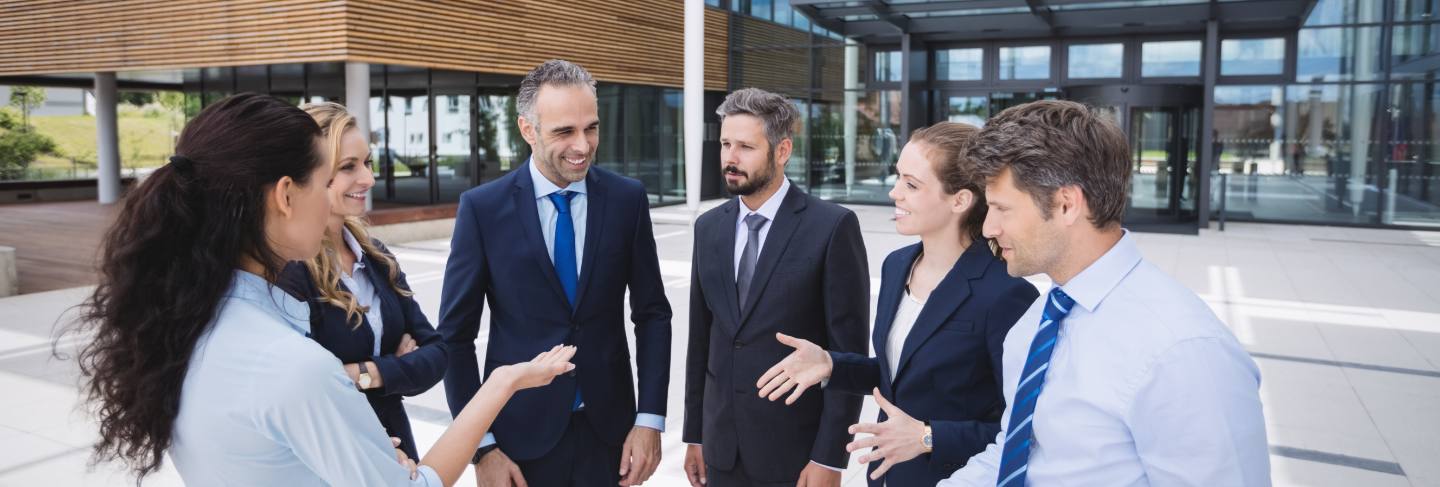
<point x="1334" y="122"/>
<point x="437" y="133"/>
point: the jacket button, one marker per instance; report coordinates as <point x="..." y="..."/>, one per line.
<point x="739" y="345"/>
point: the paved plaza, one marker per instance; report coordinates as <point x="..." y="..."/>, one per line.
<point x="1344" y="324"/>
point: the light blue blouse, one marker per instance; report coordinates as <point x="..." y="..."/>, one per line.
<point x="263" y="404"/>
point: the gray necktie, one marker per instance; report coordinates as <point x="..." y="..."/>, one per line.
<point x="747" y="258"/>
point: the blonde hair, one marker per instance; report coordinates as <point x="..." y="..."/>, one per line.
<point x="325" y="271"/>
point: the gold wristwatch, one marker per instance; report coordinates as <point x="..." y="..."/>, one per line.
<point x="365" y="379"/>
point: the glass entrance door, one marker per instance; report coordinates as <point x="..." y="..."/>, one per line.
<point x="1162" y="124"/>
<point x="1164" y="152"/>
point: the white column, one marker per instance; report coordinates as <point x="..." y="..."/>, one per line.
<point x="107" y="140"/>
<point x="694" y="100"/>
<point x="357" y="102"/>
<point x="852" y="102"/>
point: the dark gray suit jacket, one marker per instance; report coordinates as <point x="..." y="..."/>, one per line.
<point x="811" y="281"/>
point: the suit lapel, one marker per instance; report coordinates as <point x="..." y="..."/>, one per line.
<point x="776" y="241"/>
<point x="725" y="254"/>
<point x="523" y="197"/>
<point x="888" y="303"/>
<point x="953" y="290"/>
<point x="594" y="218"/>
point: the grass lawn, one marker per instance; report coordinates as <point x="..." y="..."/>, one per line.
<point x="145" y="141"/>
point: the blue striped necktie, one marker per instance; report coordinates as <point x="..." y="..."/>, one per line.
<point x="1020" y="432"/>
<point x="565" y="267"/>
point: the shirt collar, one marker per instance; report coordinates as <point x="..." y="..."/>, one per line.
<point x="1090" y="287"/>
<point x="771" y="207"/>
<point x="354" y="246"/>
<point x="543" y="186"/>
<point x="258" y="291"/>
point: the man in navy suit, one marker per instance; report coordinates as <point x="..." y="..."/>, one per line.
<point x="773" y="260"/>
<point x="553" y="246"/>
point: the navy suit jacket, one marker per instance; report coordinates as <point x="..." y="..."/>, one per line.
<point x="410" y="375"/>
<point x="498" y="256"/>
<point x="812" y="282"/>
<point x="950" y="365"/>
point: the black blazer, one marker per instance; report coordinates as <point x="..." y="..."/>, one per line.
<point x="811" y="282"/>
<point x="498" y="256"/>
<point x="410" y="375"/>
<point x="950" y="365"/>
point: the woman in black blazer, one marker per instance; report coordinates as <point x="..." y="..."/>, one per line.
<point x="944" y="309"/>
<point x="362" y="309"/>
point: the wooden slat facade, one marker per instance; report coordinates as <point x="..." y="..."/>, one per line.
<point x="623" y="41"/>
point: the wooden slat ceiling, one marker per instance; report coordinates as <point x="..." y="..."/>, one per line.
<point x="625" y="41"/>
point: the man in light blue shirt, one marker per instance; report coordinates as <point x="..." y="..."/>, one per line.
<point x="1118" y="375"/>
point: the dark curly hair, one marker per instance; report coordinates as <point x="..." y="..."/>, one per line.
<point x="169" y="259"/>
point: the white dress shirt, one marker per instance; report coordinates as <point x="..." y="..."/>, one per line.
<point x="358" y="283"/>
<point x="768" y="209"/>
<point x="263" y="404"/>
<point x="905" y="318"/>
<point x="1146" y="387"/>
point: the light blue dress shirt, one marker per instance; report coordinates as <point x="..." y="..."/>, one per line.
<point x="579" y="209"/>
<point x="1146" y="387"/>
<point x="263" y="404"/>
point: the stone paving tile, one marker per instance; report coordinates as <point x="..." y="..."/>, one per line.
<point x="1343" y="323"/>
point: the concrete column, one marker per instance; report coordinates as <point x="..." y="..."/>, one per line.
<point x="107" y="140"/>
<point x="9" y="275"/>
<point x="694" y="122"/>
<point x="357" y="102"/>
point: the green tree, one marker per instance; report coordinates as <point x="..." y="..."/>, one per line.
<point x="137" y="98"/>
<point x="27" y="98"/>
<point x="18" y="148"/>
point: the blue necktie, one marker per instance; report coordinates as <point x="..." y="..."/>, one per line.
<point x="565" y="255"/>
<point x="1018" y="435"/>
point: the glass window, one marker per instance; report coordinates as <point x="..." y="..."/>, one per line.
<point x="712" y="3"/>
<point x="1338" y="54"/>
<point x="973" y="110"/>
<point x="1334" y="12"/>
<point x="454" y="164"/>
<point x="1096" y="61"/>
<point x="760" y="8"/>
<point x="853" y="147"/>
<point x="783" y="12"/>
<point x="1028" y="62"/>
<point x="1417" y="9"/>
<point x="407" y="126"/>
<point x="960" y="64"/>
<point x="252" y="79"/>
<point x="1170" y="58"/>
<point x="1413" y="165"/>
<point x="1239" y="57"/>
<point x="1330" y="168"/>
<point x="1414" y="41"/>
<point x="887" y="66"/>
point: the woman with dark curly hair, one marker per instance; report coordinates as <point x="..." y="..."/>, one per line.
<point x="197" y="353"/>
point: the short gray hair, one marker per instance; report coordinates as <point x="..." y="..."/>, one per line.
<point x="774" y="110"/>
<point x="555" y="72"/>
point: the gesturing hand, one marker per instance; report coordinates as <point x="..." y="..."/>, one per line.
<point x="806" y="366"/>
<point x="540" y="370"/>
<point x="897" y="440"/>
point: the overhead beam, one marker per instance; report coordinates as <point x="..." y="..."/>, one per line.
<point x="1038" y="9"/>
<point x="881" y="10"/>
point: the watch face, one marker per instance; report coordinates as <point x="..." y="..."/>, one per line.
<point x="364" y="381"/>
<point x="929" y="441"/>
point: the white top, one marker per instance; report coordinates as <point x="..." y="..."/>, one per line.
<point x="263" y="404"/>
<point x="358" y="282"/>
<point x="1146" y="387"/>
<point x="900" y="329"/>
<point x="769" y="209"/>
